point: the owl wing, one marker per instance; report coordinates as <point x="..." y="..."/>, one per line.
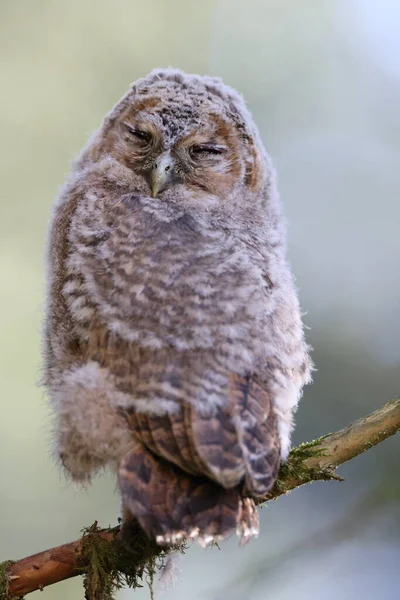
<point x="231" y="445"/>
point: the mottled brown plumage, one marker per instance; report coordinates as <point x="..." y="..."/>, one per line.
<point x="173" y="343"/>
<point x="236" y="446"/>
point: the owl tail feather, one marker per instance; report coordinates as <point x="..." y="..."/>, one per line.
<point x="170" y="504"/>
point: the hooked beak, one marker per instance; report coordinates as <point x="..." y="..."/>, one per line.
<point x="162" y="173"/>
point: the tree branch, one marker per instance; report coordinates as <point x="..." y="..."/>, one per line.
<point x="319" y="459"/>
<point x="99" y="553"/>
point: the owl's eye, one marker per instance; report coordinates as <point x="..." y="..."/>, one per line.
<point x="143" y="136"/>
<point x="207" y="149"/>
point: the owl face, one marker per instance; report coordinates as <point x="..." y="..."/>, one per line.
<point x="186" y="140"/>
<point x="176" y="149"/>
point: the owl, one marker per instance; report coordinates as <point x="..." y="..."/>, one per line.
<point x="173" y="343"/>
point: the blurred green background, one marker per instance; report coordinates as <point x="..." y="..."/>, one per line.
<point x="323" y="82"/>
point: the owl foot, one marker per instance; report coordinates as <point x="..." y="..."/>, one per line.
<point x="247" y="525"/>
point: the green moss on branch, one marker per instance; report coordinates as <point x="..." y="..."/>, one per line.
<point x="5" y="579"/>
<point x="128" y="560"/>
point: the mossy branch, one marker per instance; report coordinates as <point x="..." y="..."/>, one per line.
<point x="106" y="565"/>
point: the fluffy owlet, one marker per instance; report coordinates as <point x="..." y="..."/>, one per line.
<point x="173" y="344"/>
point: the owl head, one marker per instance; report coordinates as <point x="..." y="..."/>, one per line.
<point x="188" y="142"/>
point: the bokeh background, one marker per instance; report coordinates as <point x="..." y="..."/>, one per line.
<point x="323" y="81"/>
